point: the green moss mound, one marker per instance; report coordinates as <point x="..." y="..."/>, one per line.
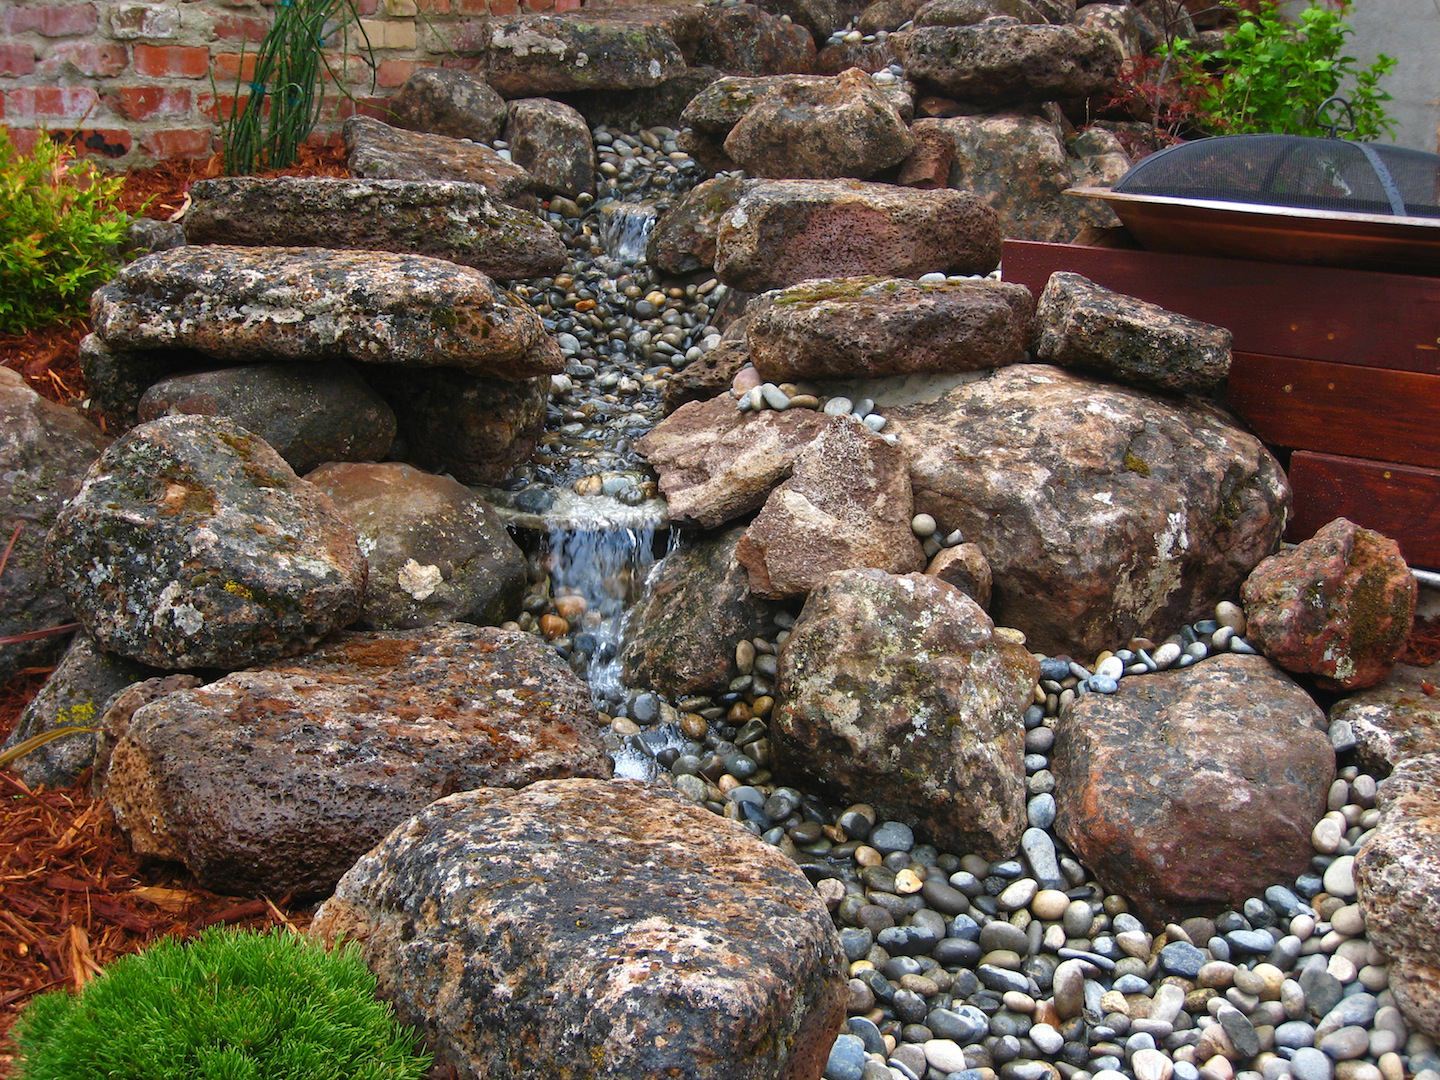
<point x="227" y="1006"/>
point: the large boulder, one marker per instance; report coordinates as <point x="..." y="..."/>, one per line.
<point x="321" y="412"/>
<point x="970" y="12"/>
<point x="1105" y="512"/>
<point x="607" y="930"/>
<point x="869" y="327"/>
<point x="683" y="240"/>
<point x="716" y="110"/>
<point x="275" y="780"/>
<point x="1338" y="606"/>
<point x="45" y="449"/>
<point x="846" y="506"/>
<point x="116" y="379"/>
<point x="445" y="101"/>
<point x="680" y="639"/>
<point x="437" y="552"/>
<point x="743" y="39"/>
<point x="996" y="65"/>
<point x="246" y="304"/>
<point x="552" y="142"/>
<point x="193" y="544"/>
<point x="377" y="151"/>
<point x="785" y="231"/>
<point x="895" y="691"/>
<point x="458" y="222"/>
<point x="536" y="55"/>
<point x="1192" y="789"/>
<point x="1397" y="719"/>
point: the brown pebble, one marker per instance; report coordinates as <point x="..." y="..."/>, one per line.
<point x="739" y="713"/>
<point x="570" y="607"/>
<point x="694" y="726"/>
<point x="762" y="705"/>
<point x="553" y="626"/>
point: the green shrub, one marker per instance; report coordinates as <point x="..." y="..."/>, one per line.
<point x="60" y="231"/>
<point x="227" y="1006"/>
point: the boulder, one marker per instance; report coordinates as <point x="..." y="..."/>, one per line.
<point x="309" y="415"/>
<point x="741" y="39"/>
<point x="608" y="930"/>
<point x="247" y="304"/>
<point x="887" y="15"/>
<point x="970" y="12"/>
<point x="724" y="103"/>
<point x="1236" y="768"/>
<point x="712" y="373"/>
<point x="647" y="107"/>
<point x="871" y="56"/>
<point x="444" y="219"/>
<point x="445" y="101"/>
<point x="1395" y="720"/>
<point x="1122" y="20"/>
<point x="965" y="567"/>
<point x="842" y="127"/>
<point x="276" y="779"/>
<point x="535" y="55"/>
<point x="870" y="327"/>
<point x="1397" y="878"/>
<point x="680" y="639"/>
<point x="192" y="544"/>
<point x="551" y="141"/>
<point x="115" y="720"/>
<point x="846" y="506"/>
<point x="116" y="380"/>
<point x="996" y="65"/>
<point x="717" y="463"/>
<point x="1087" y="326"/>
<point x="928" y="166"/>
<point x="821" y="17"/>
<point x="436" y="551"/>
<point x="895" y="691"/>
<point x="1105" y="512"/>
<point x="683" y="240"/>
<point x="1339" y="606"/>
<point x="378" y="151"/>
<point x="786" y="231"/>
<point x="45" y="449"/>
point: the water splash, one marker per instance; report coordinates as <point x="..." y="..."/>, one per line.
<point x="625" y="229"/>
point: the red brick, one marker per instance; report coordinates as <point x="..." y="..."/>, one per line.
<point x="228" y="67"/>
<point x="17" y="59"/>
<point x="104" y="142"/>
<point x="24" y="139"/>
<point x="177" y="143"/>
<point x="222" y="107"/>
<point x="434" y="7"/>
<point x="367" y="7"/>
<point x="50" y="102"/>
<point x="51" y="20"/>
<point x="95" y="61"/>
<point x="567" y="5"/>
<point x="392" y="73"/>
<point x="172" y="61"/>
<point x="240" y="28"/>
<point x="148" y="102"/>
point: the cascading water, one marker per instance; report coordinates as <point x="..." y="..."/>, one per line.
<point x="625" y="229"/>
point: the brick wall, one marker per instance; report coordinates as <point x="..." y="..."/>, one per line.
<point x="138" y="81"/>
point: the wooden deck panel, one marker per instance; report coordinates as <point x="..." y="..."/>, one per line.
<point x="1401" y="501"/>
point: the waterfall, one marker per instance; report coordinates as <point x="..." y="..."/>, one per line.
<point x="625" y="229"/>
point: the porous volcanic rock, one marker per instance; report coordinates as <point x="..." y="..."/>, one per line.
<point x="552" y="142"/>
<point x="683" y="239"/>
<point x="965" y="567"/>
<point x="192" y="544"/>
<point x="821" y="17"/>
<point x="786" y="231"/>
<point x="995" y="65"/>
<point x="742" y="39"/>
<point x="608" y="930"/>
<point x="444" y="219"/>
<point x="436" y="551"/>
<point x="970" y="12"/>
<point x="869" y="327"/>
<point x="1196" y="788"/>
<point x="1105" y="512"/>
<point x="444" y="101"/>
<point x="276" y="779"/>
<point x="1397" y="719"/>
<point x="716" y="110"/>
<point x="872" y="56"/>
<point x="247" y="304"/>
<point x="535" y="55"/>
<point x="377" y="151"/>
<point x="888" y="15"/>
<point x="1339" y="606"/>
<point x="894" y="690"/>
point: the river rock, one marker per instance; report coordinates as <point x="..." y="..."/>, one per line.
<point x="193" y="544"/>
<point x="584" y="928"/>
<point x="970" y="12"/>
<point x="276" y="779"/>
<point x="445" y="101"/>
<point x="1084" y="325"/>
<point x="322" y="412"/>
<point x="842" y="127"/>
<point x="551" y="141"/>
<point x="377" y="151"/>
<point x="965" y="567"/>
<point x="444" y="219"/>
<point x="534" y="55"/>
<point x="1339" y="606"/>
<point x="869" y="327"/>
<point x="741" y="39"/>
<point x="716" y="463"/>
<point x="45" y="449"/>
<point x="995" y="64"/>
<point x="680" y="639"/>
<point x="246" y="304"/>
<point x="436" y="551"/>
<point x="786" y="231"/>
<point x="846" y="506"/>
<point x="1105" y="512"/>
<point x="1236" y="767"/>
<point x="713" y="372"/>
<point x="1397" y="877"/>
<point x="1397" y="719"/>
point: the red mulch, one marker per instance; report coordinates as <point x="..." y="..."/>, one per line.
<point x="1423" y="648"/>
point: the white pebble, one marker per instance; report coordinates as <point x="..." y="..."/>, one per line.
<point x="923" y="525"/>
<point x="1111" y="667"/>
<point x="1340" y="877"/>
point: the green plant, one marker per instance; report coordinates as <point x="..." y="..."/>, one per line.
<point x="1272" y="75"/>
<point x="287" y="87"/>
<point x="60" y="230"/>
<point x="227" y="1006"/>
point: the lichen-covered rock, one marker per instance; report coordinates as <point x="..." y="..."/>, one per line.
<point x="1192" y="789"/>
<point x="895" y="691"/>
<point x="308" y="415"/>
<point x="821" y="17"/>
<point x="1084" y="325"/>
<point x="444" y="219"/>
<point x="786" y="231"/>
<point x="606" y="930"/>
<point x="720" y="106"/>
<point x="436" y="551"/>
<point x="1122" y="20"/>
<point x="741" y="39"/>
<point x="846" y="506"/>
<point x="970" y="12"/>
<point x="192" y="544"/>
<point x="377" y="151"/>
<point x="552" y="142"/>
<point x="965" y="567"/>
<point x="1105" y="512"/>
<point x="870" y="327"/>
<point x="248" y="304"/>
<point x="1397" y="719"/>
<point x="1338" y="606"/>
<point x="996" y="65"/>
<point x="445" y="101"/>
<point x="535" y="55"/>
<point x="45" y="449"/>
<point x="683" y="239"/>
<point x="116" y="380"/>
<point x="276" y="779"/>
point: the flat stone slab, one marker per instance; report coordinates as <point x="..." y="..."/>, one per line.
<point x="377" y="151"/>
<point x="1007" y="65"/>
<point x="721" y="105"/>
<point x="535" y="55"/>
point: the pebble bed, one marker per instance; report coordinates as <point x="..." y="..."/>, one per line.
<point x="959" y="968"/>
